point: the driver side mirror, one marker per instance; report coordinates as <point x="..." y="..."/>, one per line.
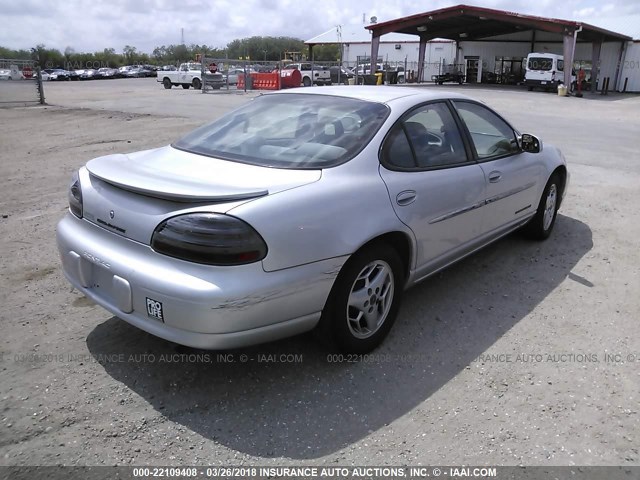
<point x="530" y="143"/>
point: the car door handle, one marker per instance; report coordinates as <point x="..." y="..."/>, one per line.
<point x="495" y="176"/>
<point x="406" y="197"/>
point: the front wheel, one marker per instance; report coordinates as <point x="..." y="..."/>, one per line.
<point x="306" y="82"/>
<point x="364" y="300"/>
<point x="541" y="225"/>
<point x="167" y="83"/>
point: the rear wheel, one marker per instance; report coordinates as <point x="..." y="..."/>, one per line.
<point x="530" y="88"/>
<point x="196" y="83"/>
<point x="541" y="225"/>
<point x="306" y="82"/>
<point x="167" y="83"/>
<point x="364" y="300"/>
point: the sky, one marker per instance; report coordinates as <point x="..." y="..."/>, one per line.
<point x="92" y="25"/>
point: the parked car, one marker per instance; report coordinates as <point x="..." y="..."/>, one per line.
<point x="57" y="74"/>
<point x="218" y="241"/>
<point x="89" y="74"/>
<point x="340" y="75"/>
<point x="312" y="74"/>
<point x="137" y="72"/>
<point x="365" y="69"/>
<point x="122" y="71"/>
<point x="546" y="71"/>
<point x="11" y="73"/>
<point x="231" y="76"/>
<point x="106" y="73"/>
<point x="190" y="75"/>
<point x="150" y="70"/>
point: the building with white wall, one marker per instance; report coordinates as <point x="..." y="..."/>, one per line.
<point x="489" y="45"/>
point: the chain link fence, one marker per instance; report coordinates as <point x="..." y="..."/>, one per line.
<point x="20" y="83"/>
<point x="224" y="75"/>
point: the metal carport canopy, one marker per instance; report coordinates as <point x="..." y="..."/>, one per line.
<point x="468" y="23"/>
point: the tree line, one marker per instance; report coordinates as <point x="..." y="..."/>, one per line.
<point x="256" y="49"/>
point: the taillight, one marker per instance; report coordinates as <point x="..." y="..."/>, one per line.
<point x="209" y="238"/>
<point x="75" y="196"/>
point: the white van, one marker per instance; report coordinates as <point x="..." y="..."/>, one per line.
<point x="545" y="70"/>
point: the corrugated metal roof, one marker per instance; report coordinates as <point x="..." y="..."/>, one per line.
<point x="626" y="25"/>
<point x="458" y="21"/>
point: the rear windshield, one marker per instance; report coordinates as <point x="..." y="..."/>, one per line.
<point x="540" y="63"/>
<point x="298" y="131"/>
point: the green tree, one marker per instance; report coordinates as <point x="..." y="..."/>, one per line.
<point x="47" y="57"/>
<point x="264" y="48"/>
<point x="130" y="53"/>
<point x="326" y="53"/>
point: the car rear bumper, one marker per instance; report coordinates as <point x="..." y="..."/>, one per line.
<point x="201" y="306"/>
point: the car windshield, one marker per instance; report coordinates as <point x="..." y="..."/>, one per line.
<point x="296" y="131"/>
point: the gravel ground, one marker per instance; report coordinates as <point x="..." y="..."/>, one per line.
<point x="499" y="360"/>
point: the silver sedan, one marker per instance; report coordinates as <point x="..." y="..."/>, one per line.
<point x="304" y="209"/>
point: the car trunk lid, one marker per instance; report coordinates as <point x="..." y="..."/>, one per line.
<point x="131" y="194"/>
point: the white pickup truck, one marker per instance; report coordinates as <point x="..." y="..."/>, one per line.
<point x="189" y="75"/>
<point x="321" y="75"/>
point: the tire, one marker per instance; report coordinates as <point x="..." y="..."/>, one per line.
<point x="197" y="84"/>
<point x="186" y="86"/>
<point x="357" y="317"/>
<point x="167" y="83"/>
<point x="530" y="88"/>
<point x="306" y="81"/>
<point x="401" y="80"/>
<point x="541" y="225"/>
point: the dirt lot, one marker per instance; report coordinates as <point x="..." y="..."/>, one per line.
<point x="500" y="360"/>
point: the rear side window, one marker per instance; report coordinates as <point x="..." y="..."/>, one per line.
<point x="490" y="134"/>
<point x="427" y="137"/>
<point x="397" y="150"/>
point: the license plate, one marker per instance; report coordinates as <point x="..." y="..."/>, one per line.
<point x="154" y="309"/>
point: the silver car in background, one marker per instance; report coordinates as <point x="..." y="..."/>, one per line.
<point x="304" y="209"/>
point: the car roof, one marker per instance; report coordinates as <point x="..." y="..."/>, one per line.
<point x="380" y="93"/>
